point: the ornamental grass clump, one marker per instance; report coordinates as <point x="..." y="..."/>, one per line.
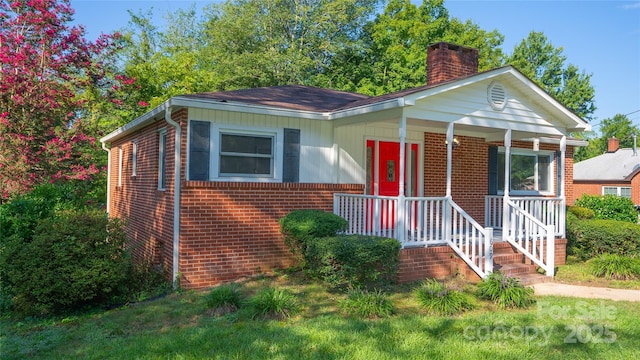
<point x="272" y="303"/>
<point x="367" y="304"/>
<point x="440" y="299"/>
<point x="505" y="291"/>
<point x="224" y="299"/>
<point x="614" y="266"/>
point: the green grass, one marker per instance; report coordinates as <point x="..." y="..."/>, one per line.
<point x="580" y="273"/>
<point x="178" y="327"/>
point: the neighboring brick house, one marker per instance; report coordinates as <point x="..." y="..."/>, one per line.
<point x="614" y="172"/>
<point x="203" y="178"/>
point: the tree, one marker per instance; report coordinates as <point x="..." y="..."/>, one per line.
<point x="253" y="43"/>
<point x="45" y="68"/>
<point x="619" y="127"/>
<point x="397" y="42"/>
<point x="546" y="65"/>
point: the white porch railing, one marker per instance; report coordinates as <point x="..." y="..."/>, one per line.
<point x="549" y="211"/>
<point x="426" y="221"/>
<point x="532" y="237"/>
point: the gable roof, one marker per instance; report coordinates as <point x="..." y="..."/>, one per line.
<point x="327" y="104"/>
<point x="621" y="165"/>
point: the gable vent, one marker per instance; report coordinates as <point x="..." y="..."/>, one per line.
<point x="497" y="96"/>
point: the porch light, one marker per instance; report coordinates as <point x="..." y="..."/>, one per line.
<point x="455" y="143"/>
<point x="536" y="144"/>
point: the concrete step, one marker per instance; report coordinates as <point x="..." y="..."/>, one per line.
<point x="531" y="279"/>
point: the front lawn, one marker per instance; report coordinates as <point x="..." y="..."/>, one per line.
<point x="578" y="272"/>
<point x="179" y="327"/>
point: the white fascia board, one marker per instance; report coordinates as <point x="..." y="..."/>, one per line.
<point x="140" y="121"/>
<point x="366" y="109"/>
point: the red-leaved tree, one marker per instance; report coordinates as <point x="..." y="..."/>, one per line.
<point x="46" y="69"/>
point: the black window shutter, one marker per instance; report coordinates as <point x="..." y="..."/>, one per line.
<point x="291" y="163"/>
<point x="559" y="175"/>
<point x="493" y="170"/>
<point x="199" y="150"/>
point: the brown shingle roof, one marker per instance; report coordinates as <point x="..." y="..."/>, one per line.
<point x="295" y="97"/>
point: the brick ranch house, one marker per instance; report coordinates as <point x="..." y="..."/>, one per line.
<point x="202" y="179"/>
<point x="615" y="172"/>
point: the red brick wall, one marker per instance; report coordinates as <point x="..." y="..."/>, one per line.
<point x="469" y="168"/>
<point x="595" y="188"/>
<point x="227" y="229"/>
<point x="230" y="229"/>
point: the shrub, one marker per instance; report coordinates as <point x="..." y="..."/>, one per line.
<point x="300" y="226"/>
<point x="75" y="258"/>
<point x="272" y="303"/>
<point x="590" y="238"/>
<point x="505" y="291"/>
<point x="224" y="299"/>
<point x="354" y="260"/>
<point x="581" y="213"/>
<point x="610" y="207"/>
<point x="613" y="266"/>
<point x="437" y="298"/>
<point x="367" y="304"/>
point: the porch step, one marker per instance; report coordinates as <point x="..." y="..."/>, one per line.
<point x="509" y="261"/>
<point x="516" y="269"/>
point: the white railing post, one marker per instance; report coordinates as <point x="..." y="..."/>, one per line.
<point x="551" y="251"/>
<point x="488" y="251"/>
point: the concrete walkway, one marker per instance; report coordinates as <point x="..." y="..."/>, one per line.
<point x="551" y="288"/>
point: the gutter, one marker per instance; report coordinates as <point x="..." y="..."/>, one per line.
<point x="176" y="195"/>
<point x="108" y="150"/>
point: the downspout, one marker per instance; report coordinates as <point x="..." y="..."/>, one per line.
<point x="105" y="148"/>
<point x="176" y="195"/>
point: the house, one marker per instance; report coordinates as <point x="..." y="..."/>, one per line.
<point x="614" y="172"/>
<point x="459" y="171"/>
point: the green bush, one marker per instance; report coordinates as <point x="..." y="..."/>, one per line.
<point x="301" y="226"/>
<point x="610" y="207"/>
<point x="224" y="299"/>
<point x="613" y="266"/>
<point x="354" y="260"/>
<point x="590" y="238"/>
<point x="272" y="303"/>
<point x="367" y="304"/>
<point x="505" y="291"/>
<point x="74" y="259"/>
<point x="581" y="213"/>
<point x="439" y="299"/>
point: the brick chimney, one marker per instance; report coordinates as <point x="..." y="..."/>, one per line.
<point x="613" y="144"/>
<point x="447" y="61"/>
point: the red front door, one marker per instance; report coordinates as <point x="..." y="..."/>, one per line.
<point x="383" y="177"/>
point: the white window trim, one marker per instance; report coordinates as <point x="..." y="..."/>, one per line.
<point x="618" y="190"/>
<point x="162" y="133"/>
<point x="134" y="158"/>
<point x="217" y="129"/>
<point x="550" y="175"/>
<point x="120" y="156"/>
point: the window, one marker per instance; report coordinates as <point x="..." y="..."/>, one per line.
<point x="622" y="191"/>
<point x="134" y="157"/>
<point x="242" y="154"/>
<point x="120" y="156"/>
<point x="531" y="172"/>
<point x="246" y="155"/>
<point x="162" y="161"/>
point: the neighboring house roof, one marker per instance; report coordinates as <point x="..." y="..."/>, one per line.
<point x="621" y="165"/>
<point x="328" y="104"/>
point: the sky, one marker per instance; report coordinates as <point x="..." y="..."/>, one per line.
<point x="601" y="38"/>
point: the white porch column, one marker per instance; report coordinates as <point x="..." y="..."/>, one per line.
<point x="563" y="149"/>
<point x="449" y="157"/>
<point x="507" y="185"/>
<point x="401" y="187"/>
<point x="447" y="215"/>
